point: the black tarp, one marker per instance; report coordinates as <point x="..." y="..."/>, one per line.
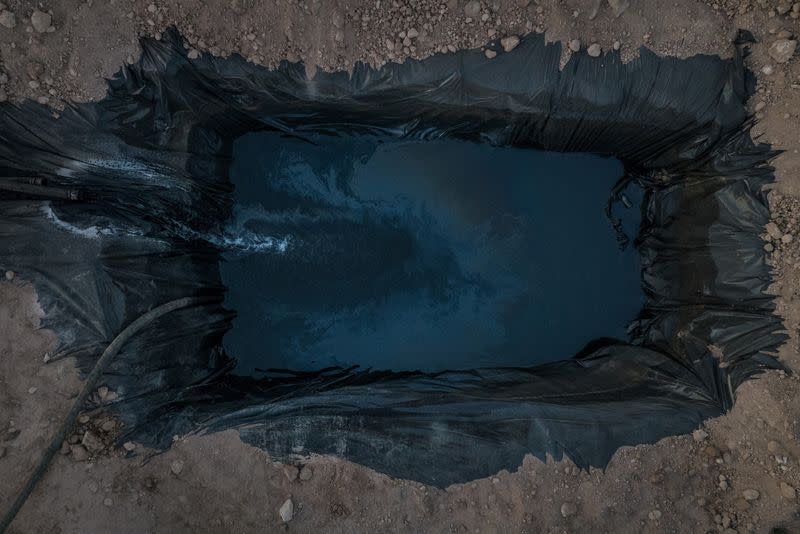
<point x="131" y="194"/>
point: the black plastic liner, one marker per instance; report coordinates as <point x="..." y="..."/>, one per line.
<point x="118" y="206"/>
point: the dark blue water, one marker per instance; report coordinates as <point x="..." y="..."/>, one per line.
<point x="421" y="255"/>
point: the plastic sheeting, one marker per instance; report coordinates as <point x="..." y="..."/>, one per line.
<point x="120" y="205"/>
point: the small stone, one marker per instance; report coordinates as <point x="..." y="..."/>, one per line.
<point x="654" y="515"/>
<point x="618" y="7"/>
<point x="151" y="8"/>
<point x="92" y="442"/>
<point x="412" y="33"/>
<point x="472" y="9"/>
<point x="129" y="446"/>
<point x="616" y="45"/>
<point x="782" y="50"/>
<point x="108" y="426"/>
<point x="286" y="511"/>
<point x="389" y="44"/>
<point x="767" y="70"/>
<point x="9" y="275"/>
<point x="750" y="494"/>
<point x="788" y="491"/>
<point x="699" y="435"/>
<point x="41" y="21"/>
<point x="3" y="78"/>
<point x="7" y="19"/>
<point x="575" y="45"/>
<point x="594" y="50"/>
<point x="768" y="247"/>
<point x="32" y="390"/>
<point x="773" y="231"/>
<point x="568" y="509"/>
<point x="193" y="54"/>
<point x="509" y="43"/>
<point x="65" y="448"/>
<point x="723" y="485"/>
<point x="491" y="54"/>
<point x="83" y="419"/>
<point x="291" y="472"/>
<point x="94" y="487"/>
<point x="43" y="100"/>
<point x="306" y="473"/>
<point x="102" y="392"/>
<point x="79" y="453"/>
<point x="34" y="84"/>
<point x="786" y="239"/>
<point x="760" y="106"/>
<point x="176" y="467"/>
<point x="108" y="502"/>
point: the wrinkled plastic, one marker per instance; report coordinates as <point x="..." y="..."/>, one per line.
<point x="134" y="194"/>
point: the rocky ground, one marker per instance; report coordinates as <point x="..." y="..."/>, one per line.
<point x="739" y="473"/>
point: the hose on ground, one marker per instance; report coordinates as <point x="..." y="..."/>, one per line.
<point x="89" y="386"/>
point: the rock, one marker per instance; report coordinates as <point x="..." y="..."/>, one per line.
<point x="618" y="7"/>
<point x="568" y="509"/>
<point x="654" y="515"/>
<point x="65" y="448"/>
<point x="575" y="45"/>
<point x="41" y="21"/>
<point x="7" y="19"/>
<point x="32" y="390"/>
<point x="176" y="467"/>
<point x="760" y="106"/>
<point x="412" y="33"/>
<point x="291" y="472"/>
<point x="767" y="70"/>
<point x="79" y="453"/>
<point x="193" y="54"/>
<point x="491" y="54"/>
<point x="775" y="233"/>
<point x="616" y="45"/>
<point x="782" y="50"/>
<point x="594" y="50"/>
<point x="92" y="442"/>
<point x="750" y="494"/>
<point x="108" y="501"/>
<point x="788" y="491"/>
<point x="83" y="419"/>
<point x="389" y="44"/>
<point x="509" y="43"/>
<point x="699" y="435"/>
<point x="306" y="473"/>
<point x="784" y="34"/>
<point x="786" y="239"/>
<point x="129" y="446"/>
<point x="102" y="392"/>
<point x="286" y="511"/>
<point x="472" y="9"/>
<point x="769" y="247"/>
<point x="34" y="84"/>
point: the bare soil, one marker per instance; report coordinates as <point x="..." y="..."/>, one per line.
<point x="215" y="483"/>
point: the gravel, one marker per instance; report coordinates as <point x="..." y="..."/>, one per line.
<point x="509" y="43"/>
<point x="7" y="19"/>
<point x="176" y="467"/>
<point x="568" y="509"/>
<point x="750" y="495"/>
<point x="782" y="50"/>
<point x="286" y="511"/>
<point x="41" y="21"/>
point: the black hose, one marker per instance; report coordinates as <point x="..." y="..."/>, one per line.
<point x="89" y="386"/>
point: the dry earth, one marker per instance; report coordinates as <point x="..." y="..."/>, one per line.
<point x="737" y="474"/>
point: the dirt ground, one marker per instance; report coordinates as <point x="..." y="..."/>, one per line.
<point x="736" y="474"/>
